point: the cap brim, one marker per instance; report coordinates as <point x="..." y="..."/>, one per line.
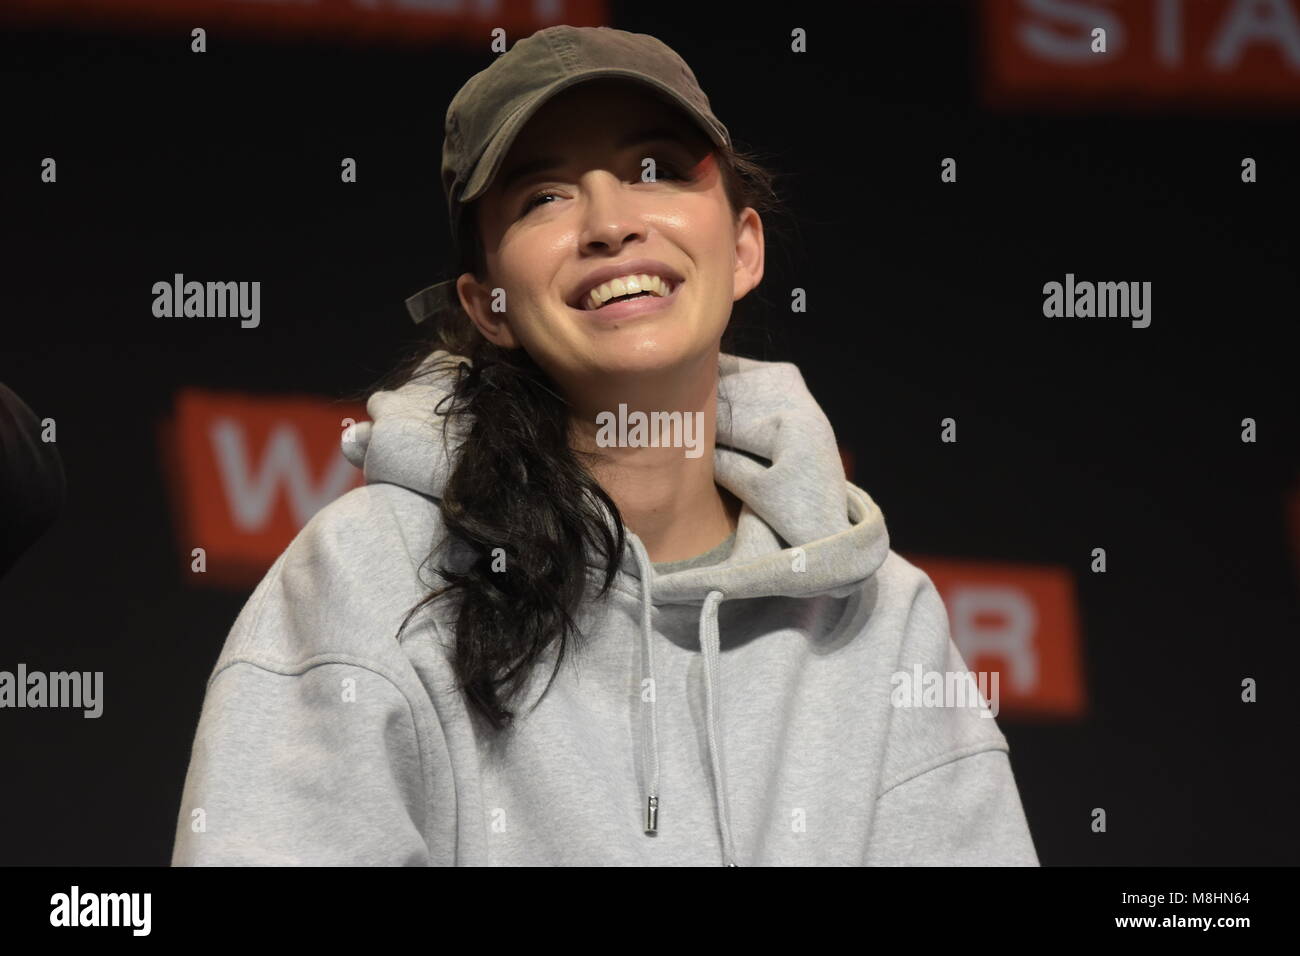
<point x="489" y="163"/>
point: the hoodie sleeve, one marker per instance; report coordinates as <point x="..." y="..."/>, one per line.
<point x="948" y="796"/>
<point x="319" y="767"/>
<point x="965" y="812"/>
<point x="316" y="744"/>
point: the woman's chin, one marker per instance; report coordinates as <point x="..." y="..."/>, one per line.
<point x="644" y="354"/>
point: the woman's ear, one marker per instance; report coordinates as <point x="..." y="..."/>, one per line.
<point x="749" y="253"/>
<point x="476" y="299"/>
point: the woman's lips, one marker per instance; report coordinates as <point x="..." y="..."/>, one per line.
<point x="630" y="308"/>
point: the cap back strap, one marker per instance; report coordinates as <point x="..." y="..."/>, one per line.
<point x="432" y="300"/>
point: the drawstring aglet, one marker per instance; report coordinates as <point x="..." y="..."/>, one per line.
<point x="652" y="815"/>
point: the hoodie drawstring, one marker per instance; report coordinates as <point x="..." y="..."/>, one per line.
<point x="709" y="644"/>
<point x="649" y="719"/>
<point x="709" y="640"/>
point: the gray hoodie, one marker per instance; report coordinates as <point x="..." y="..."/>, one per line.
<point x="746" y="712"/>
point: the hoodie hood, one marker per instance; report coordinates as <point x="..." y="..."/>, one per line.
<point x="804" y="529"/>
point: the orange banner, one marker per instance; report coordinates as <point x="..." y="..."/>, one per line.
<point x="1020" y="620"/>
<point x="246" y="473"/>
<point x="1157" y="52"/>
<point x="358" y="21"/>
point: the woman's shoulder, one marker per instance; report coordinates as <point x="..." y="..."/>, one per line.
<point x="905" y="613"/>
<point x="344" y="584"/>
<point x="379" y="527"/>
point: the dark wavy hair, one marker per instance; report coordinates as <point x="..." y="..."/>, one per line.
<point x="517" y="485"/>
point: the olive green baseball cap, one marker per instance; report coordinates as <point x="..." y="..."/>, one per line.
<point x="494" y="105"/>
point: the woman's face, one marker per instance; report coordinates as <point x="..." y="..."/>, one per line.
<point x="547" y="230"/>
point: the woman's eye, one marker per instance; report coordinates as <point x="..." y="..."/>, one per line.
<point x="534" y="200"/>
<point x="666" y="171"/>
<point x="662" y="171"/>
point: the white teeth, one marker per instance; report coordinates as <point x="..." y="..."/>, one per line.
<point x="624" y="285"/>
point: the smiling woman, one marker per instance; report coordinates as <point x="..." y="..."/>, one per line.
<point x="575" y="212"/>
<point x="584" y="203"/>
<point x="736" y="616"/>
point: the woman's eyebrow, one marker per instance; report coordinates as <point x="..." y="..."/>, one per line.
<point x="544" y="163"/>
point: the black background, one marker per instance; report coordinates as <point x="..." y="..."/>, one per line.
<point x="925" y="302"/>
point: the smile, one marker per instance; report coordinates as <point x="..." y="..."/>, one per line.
<point x="629" y="308"/>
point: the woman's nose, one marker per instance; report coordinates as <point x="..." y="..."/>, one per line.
<point x="611" y="214"/>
